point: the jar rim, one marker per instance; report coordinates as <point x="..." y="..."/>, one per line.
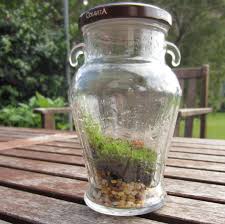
<point x="124" y="10"/>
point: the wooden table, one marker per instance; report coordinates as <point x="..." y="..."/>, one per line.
<point x="43" y="179"/>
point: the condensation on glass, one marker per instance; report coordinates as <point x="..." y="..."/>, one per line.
<point x="125" y="100"/>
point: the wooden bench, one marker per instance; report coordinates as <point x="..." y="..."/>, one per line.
<point x="194" y="84"/>
<point x="190" y="79"/>
<point x="43" y="180"/>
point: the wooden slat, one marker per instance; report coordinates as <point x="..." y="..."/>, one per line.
<point x="6" y="138"/>
<point x="53" y="110"/>
<point x="70" y="171"/>
<point x="187" y="112"/>
<point x="44" y="156"/>
<point x="77" y="160"/>
<point x="59" y="187"/>
<point x="198" y="146"/>
<point x="190" y="102"/>
<point x="33" y="140"/>
<point x="31" y="130"/>
<point x="198" y="151"/>
<point x="195" y="175"/>
<point x="63" y="144"/>
<point x="57" y="169"/>
<point x="18" y="133"/>
<point x="40" y="209"/>
<point x="197" y="157"/>
<point x="52" y="149"/>
<point x="198" y="141"/>
<point x="190" y="211"/>
<point x="188" y="73"/>
<point x="72" y="189"/>
<point x="26" y="206"/>
<point x="201" y="191"/>
<point x="200" y="165"/>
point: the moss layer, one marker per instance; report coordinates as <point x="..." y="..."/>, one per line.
<point x="122" y="158"/>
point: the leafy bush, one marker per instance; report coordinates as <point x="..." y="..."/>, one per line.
<point x="32" y="50"/>
<point x="23" y="116"/>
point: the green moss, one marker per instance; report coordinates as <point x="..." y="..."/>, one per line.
<point x="109" y="148"/>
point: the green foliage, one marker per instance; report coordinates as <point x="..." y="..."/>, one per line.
<point x="32" y="50"/>
<point x="23" y="116"/>
<point x="198" y="31"/>
<point x="108" y="148"/>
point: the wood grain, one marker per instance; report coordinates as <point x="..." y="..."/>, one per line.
<point x="73" y="190"/>
<point x="198" y="151"/>
<point x="44" y="156"/>
<point x="190" y="211"/>
<point x="53" y="149"/>
<point x="198" y="146"/>
<point x="198" y="141"/>
<point x="200" y="165"/>
<point x="52" y="168"/>
<point x="187" y="112"/>
<point x="33" y="140"/>
<point x="195" y="175"/>
<point x="197" y="157"/>
<point x="57" y="187"/>
<point x="200" y="191"/>
<point x="40" y="209"/>
<point x="63" y="144"/>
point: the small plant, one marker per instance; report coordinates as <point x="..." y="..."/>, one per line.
<point x="22" y="115"/>
<point x="127" y="160"/>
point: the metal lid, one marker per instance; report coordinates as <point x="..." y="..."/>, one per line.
<point x="124" y="10"/>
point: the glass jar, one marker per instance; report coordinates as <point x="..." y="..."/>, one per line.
<point x="125" y="101"/>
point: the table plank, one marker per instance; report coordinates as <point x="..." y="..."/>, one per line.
<point x="201" y="141"/>
<point x="52" y="157"/>
<point x="195" y="190"/>
<point x="70" y="171"/>
<point x="197" y="157"/>
<point x="190" y="211"/>
<point x="77" y="160"/>
<point x="34" y="140"/>
<point x="63" y="144"/>
<point x="40" y="209"/>
<point x="54" y="186"/>
<point x="200" y="165"/>
<point x="52" y="168"/>
<point x="53" y="149"/>
<point x="198" y="151"/>
<point x="37" y="208"/>
<point x="195" y="175"/>
<point x="198" y="145"/>
<point x="72" y="189"/>
<point x="31" y="130"/>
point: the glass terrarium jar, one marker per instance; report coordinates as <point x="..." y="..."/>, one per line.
<point x="124" y="100"/>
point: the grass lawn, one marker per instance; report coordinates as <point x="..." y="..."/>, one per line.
<point x="215" y="126"/>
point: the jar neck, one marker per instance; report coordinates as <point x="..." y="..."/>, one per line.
<point x="126" y="40"/>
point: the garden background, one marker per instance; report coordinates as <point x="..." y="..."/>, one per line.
<point x="33" y="54"/>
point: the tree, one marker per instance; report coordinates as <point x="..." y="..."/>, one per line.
<point x="198" y="30"/>
<point x="35" y="31"/>
<point x="32" y="50"/>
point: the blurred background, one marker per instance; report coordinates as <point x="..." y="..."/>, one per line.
<point x="33" y="54"/>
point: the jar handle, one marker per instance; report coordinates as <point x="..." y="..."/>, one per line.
<point x="174" y="52"/>
<point x="76" y="51"/>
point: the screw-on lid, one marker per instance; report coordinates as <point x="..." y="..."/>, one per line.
<point x="124" y="10"/>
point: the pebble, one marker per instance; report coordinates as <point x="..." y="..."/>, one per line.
<point x="119" y="194"/>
